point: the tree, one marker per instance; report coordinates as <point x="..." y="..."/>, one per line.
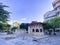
<point x="47" y="26"/>
<point x="53" y="23"/>
<point x="14" y="28"/>
<point x="7" y="27"/>
<point x="4" y="26"/>
<point x="1" y="27"/>
<point x="4" y="14"/>
<point x="24" y="26"/>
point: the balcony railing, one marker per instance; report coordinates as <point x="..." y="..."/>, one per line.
<point x="57" y="5"/>
<point x="55" y="2"/>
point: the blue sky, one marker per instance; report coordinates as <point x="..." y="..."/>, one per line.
<point x="28" y="10"/>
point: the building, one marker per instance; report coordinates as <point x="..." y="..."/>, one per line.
<point x="49" y="15"/>
<point x="36" y="29"/>
<point x="54" y="13"/>
<point x="56" y="5"/>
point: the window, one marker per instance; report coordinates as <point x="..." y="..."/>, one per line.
<point x="37" y="30"/>
<point x="40" y="30"/>
<point x="32" y="30"/>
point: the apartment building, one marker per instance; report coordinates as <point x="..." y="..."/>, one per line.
<point x="55" y="12"/>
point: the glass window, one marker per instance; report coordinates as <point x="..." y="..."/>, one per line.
<point x="37" y="30"/>
<point x="32" y="30"/>
<point x="40" y="30"/>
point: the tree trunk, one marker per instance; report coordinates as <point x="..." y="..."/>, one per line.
<point x="54" y="32"/>
<point x="49" y="32"/>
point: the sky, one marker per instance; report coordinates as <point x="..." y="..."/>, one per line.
<point x="27" y="10"/>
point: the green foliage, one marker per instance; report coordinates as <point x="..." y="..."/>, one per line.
<point x="7" y="27"/>
<point x="53" y="24"/>
<point x="4" y="14"/>
<point x="14" y="28"/>
<point x="4" y="26"/>
<point x="24" y="26"/>
<point x="47" y="25"/>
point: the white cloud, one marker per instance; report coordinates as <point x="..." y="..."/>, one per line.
<point x="10" y="22"/>
<point x="23" y="19"/>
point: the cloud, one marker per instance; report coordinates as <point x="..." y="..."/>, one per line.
<point x="9" y="22"/>
<point x="23" y="19"/>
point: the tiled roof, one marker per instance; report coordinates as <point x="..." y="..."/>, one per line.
<point x="36" y="23"/>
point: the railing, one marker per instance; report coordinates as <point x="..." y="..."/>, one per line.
<point x="58" y="4"/>
<point x="55" y="2"/>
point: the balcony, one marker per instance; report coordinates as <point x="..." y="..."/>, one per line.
<point x="55" y="2"/>
<point x="57" y="5"/>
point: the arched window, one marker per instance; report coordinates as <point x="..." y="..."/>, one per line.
<point x="37" y="30"/>
<point x="32" y="30"/>
<point x="40" y="30"/>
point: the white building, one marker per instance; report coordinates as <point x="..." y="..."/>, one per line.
<point x="49" y="15"/>
<point x="56" y="5"/>
<point x="54" y="13"/>
<point x="36" y="29"/>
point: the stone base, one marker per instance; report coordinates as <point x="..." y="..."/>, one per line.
<point x="38" y="35"/>
<point x="42" y="36"/>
